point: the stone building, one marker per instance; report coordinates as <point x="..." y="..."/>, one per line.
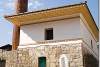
<point x="65" y="36"/>
<point x="6" y="47"/>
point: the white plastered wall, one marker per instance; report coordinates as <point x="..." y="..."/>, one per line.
<point x="63" y="29"/>
<point x="87" y="36"/>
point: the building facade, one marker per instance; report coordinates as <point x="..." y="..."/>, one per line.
<point x="59" y="37"/>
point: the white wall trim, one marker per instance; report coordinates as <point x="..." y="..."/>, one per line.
<point x="55" y="43"/>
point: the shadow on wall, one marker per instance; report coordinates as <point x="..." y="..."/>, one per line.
<point x="32" y="33"/>
<point x="90" y="61"/>
<point x="2" y="63"/>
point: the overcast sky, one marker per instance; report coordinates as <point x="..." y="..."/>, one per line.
<point x="7" y="7"/>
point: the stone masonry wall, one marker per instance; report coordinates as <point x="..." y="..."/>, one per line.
<point x="28" y="57"/>
<point x="17" y="58"/>
<point x="52" y="53"/>
<point x="88" y="58"/>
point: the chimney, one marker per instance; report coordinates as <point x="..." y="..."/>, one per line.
<point x="21" y="7"/>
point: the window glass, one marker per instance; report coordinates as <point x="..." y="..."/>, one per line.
<point x="49" y="34"/>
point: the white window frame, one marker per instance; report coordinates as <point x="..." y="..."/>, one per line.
<point x="65" y="59"/>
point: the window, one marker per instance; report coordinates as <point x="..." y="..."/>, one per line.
<point x="91" y="44"/>
<point x="42" y="62"/>
<point x="2" y="63"/>
<point x="49" y="34"/>
<point x="63" y="61"/>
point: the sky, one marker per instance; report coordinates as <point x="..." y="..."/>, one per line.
<point x="7" y="7"/>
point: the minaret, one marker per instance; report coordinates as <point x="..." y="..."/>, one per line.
<point x="21" y="7"/>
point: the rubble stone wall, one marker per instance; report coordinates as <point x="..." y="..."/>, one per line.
<point x="89" y="60"/>
<point x="28" y="57"/>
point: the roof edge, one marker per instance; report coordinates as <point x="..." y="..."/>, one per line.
<point x="82" y="3"/>
<point x="91" y="16"/>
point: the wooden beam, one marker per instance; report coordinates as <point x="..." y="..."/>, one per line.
<point x="16" y="37"/>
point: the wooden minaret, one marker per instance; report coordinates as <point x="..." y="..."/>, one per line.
<point x="21" y="7"/>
